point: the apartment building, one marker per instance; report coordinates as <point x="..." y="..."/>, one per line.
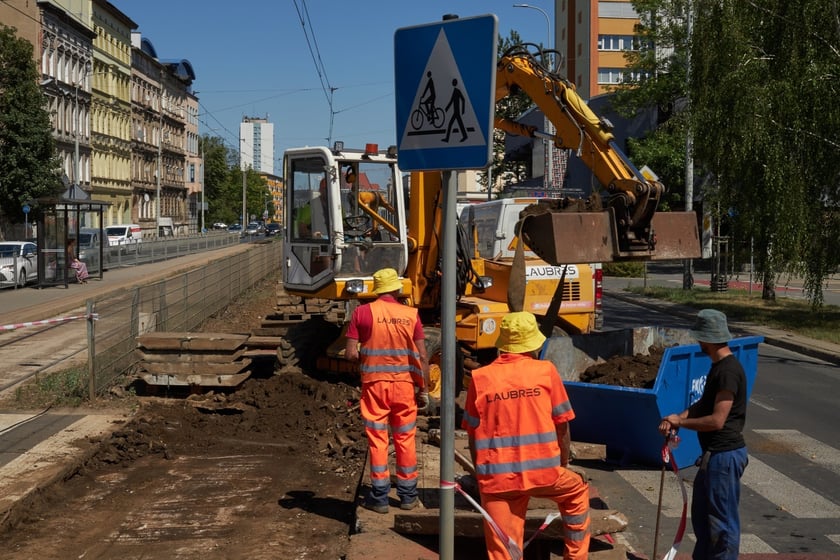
<point x="111" y="111"/>
<point x="256" y="141"/>
<point x="591" y="35"/>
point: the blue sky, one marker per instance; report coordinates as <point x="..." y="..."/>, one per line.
<point x="251" y="58"/>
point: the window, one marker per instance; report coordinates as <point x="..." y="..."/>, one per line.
<point x="619" y="76"/>
<point x="617" y="43"/>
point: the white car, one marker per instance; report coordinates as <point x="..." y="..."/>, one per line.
<point x="89" y="251"/>
<point x="18" y="263"/>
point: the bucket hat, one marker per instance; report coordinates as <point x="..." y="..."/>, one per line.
<point x="710" y="326"/>
<point x="519" y="333"/>
<point x="386" y="280"/>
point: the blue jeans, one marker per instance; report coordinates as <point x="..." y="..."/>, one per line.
<point x="714" y="506"/>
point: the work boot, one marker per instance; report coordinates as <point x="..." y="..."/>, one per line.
<point x="410" y="504"/>
<point x="378" y="508"/>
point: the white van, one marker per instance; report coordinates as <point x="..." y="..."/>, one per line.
<point x="125" y="236"/>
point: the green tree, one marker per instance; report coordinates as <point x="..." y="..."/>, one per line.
<point x="764" y="91"/>
<point x="29" y="168"/>
<point x="656" y="78"/>
<point x="220" y="190"/>
<point x="510" y="107"/>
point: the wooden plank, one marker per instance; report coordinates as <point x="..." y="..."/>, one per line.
<point x="191" y="341"/>
<point x="195" y="368"/>
<point x="200" y="380"/>
<point x="471" y="524"/>
<point x="258" y="341"/>
<point x="179" y="356"/>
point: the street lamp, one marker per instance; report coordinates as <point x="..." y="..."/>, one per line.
<point x="548" y="145"/>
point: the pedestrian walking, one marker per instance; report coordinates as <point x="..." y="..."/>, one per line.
<point x="517" y="419"/>
<point x="387" y="339"/>
<point x="718" y="418"/>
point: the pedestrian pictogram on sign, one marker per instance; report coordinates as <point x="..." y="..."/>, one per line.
<point x="445" y="78"/>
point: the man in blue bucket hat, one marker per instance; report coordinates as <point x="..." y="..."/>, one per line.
<point x="718" y="418"/>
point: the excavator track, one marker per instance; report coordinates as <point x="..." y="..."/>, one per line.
<point x="309" y="325"/>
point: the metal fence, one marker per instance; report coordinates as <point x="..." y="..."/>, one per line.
<point x="180" y="303"/>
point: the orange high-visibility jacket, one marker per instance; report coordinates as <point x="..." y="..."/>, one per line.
<point x="512" y="407"/>
<point x="391" y="354"/>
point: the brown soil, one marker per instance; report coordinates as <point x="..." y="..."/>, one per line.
<point x="268" y="471"/>
<point x="626" y="371"/>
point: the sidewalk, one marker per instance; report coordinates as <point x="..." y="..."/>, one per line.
<point x="37" y="304"/>
<point x="827" y="351"/>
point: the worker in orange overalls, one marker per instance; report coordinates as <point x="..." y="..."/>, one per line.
<point x="387" y="338"/>
<point x="517" y="415"/>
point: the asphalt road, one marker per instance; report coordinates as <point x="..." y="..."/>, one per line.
<point x="791" y="489"/>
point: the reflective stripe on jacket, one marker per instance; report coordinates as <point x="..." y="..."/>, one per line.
<point x="512" y="407"/>
<point x="390" y="353"/>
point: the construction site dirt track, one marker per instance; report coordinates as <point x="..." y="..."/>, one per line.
<point x="269" y="471"/>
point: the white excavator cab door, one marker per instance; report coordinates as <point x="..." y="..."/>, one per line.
<point x="345" y="216"/>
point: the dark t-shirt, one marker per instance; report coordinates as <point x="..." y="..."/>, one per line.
<point x="726" y="375"/>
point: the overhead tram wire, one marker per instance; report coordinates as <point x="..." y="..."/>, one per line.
<point x="312" y="45"/>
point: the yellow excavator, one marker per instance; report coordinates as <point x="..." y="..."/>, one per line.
<point x="350" y="212"/>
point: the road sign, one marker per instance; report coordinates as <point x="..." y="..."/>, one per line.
<point x="26" y="209"/>
<point x="445" y="78"/>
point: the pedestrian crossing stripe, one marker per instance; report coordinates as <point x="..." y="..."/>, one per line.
<point x="787" y="494"/>
<point x="813" y="450"/>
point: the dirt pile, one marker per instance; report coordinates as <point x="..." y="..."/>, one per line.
<point x="268" y="471"/>
<point x="626" y="371"/>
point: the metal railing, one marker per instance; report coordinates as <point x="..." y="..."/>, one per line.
<point x="180" y="303"/>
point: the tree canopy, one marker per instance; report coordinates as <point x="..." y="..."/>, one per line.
<point x="758" y="95"/>
<point x="223" y="184"/>
<point x="29" y="168"/>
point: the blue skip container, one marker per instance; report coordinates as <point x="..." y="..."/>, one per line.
<point x="625" y="419"/>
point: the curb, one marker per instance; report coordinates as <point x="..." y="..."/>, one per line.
<point x="780" y="339"/>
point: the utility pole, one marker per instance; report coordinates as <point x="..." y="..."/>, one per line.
<point x="548" y="143"/>
<point x="688" y="265"/>
<point x="202" y="186"/>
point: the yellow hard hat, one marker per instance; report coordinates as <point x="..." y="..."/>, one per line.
<point x="386" y="280"/>
<point x="519" y="333"/>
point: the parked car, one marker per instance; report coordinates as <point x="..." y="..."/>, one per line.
<point x="127" y="237"/>
<point x="18" y="263"/>
<point x="235" y="228"/>
<point x="272" y="229"/>
<point x="254" y="228"/>
<point x="220" y="225"/>
<point x="88" y="247"/>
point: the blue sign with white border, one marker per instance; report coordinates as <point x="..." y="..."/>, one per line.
<point x="445" y="78"/>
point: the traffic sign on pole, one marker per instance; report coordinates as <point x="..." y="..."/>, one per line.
<point x="445" y="77"/>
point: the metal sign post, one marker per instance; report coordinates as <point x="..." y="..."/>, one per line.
<point x="445" y="76"/>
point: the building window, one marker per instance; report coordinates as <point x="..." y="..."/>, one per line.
<point x="618" y="43"/>
<point x="608" y="76"/>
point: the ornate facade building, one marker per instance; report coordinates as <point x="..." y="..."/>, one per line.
<point x="111" y="111"/>
<point x="66" y="64"/>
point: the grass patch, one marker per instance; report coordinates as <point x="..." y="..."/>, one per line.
<point x="67" y="388"/>
<point x="784" y="313"/>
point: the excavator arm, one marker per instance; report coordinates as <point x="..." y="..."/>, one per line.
<point x="624" y="225"/>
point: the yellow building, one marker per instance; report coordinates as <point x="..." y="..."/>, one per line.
<point x="111" y="111"/>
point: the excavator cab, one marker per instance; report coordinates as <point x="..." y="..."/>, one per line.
<point x="344" y="216"/>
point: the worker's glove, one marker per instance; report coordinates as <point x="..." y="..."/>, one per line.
<point x="423" y="401"/>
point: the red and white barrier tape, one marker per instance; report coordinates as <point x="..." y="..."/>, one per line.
<point x="667" y="457"/>
<point x="514" y="551"/>
<point x="15" y="326"/>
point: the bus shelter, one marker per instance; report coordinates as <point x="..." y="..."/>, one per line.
<point x="71" y="216"/>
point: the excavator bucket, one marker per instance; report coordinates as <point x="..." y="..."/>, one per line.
<point x="579" y="237"/>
